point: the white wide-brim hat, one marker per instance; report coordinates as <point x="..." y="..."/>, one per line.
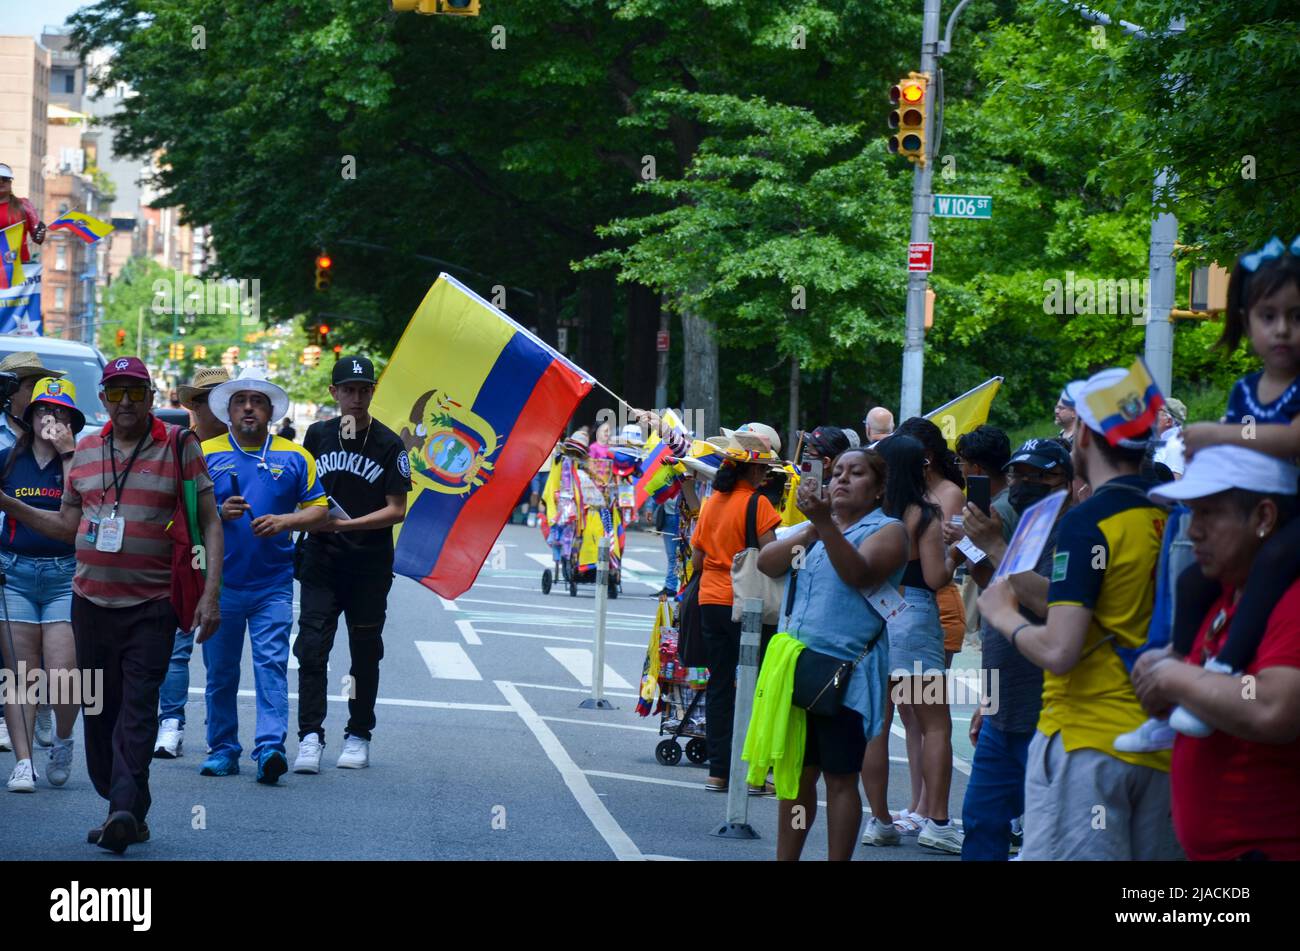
<point x="219" y="401"/>
<point x="1220" y="468"/>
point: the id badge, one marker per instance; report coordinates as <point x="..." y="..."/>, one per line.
<point x="110" y="534"/>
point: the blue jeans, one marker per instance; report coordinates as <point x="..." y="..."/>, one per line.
<point x="176" y="688"/>
<point x="268" y="615"/>
<point x="995" y="794"/>
<point x="670" y="547"/>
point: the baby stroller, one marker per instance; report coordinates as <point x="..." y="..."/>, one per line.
<point x="681" y="705"/>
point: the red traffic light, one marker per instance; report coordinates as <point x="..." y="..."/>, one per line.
<point x="324" y="262"/>
<point x="324" y="329"/>
<point x="121" y="338"/>
<point x="338" y="348"/>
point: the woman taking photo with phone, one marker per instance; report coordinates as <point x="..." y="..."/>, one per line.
<point x="849" y="546"/>
<point x="38" y="572"/>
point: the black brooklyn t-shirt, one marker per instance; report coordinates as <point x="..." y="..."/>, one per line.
<point x="358" y="473"/>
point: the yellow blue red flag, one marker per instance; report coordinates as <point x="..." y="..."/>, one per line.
<point x="1127" y="408"/>
<point x="478" y="402"/>
<point x="11" y="256"/>
<point x="86" y="228"/>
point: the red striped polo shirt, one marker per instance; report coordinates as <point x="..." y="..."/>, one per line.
<point x="142" y="570"/>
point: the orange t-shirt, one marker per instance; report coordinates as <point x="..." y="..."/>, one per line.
<point x="720" y="534"/>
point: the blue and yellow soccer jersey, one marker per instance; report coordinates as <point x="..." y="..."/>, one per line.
<point x="284" y="482"/>
<point x="1107" y="550"/>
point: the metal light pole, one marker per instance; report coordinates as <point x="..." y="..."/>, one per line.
<point x="922" y="202"/>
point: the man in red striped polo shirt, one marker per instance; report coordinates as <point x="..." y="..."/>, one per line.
<point x="120" y="493"/>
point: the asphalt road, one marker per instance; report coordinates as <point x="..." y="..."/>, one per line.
<point x="481" y="750"/>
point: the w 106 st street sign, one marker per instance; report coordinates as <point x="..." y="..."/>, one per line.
<point x="963" y="206"/>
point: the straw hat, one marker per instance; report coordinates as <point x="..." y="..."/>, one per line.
<point x="205" y="378"/>
<point x="746" y="447"/>
<point x="578" y="443"/>
<point x="26" y="363"/>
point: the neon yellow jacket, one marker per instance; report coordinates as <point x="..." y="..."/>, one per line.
<point x="777" y="728"/>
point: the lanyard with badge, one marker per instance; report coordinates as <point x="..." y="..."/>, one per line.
<point x="107" y="533"/>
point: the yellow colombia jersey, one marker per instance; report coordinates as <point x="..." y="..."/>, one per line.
<point x="1106" y="555"/>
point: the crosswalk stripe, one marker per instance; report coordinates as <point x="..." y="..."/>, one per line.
<point x="577" y="661"/>
<point x="640" y="567"/>
<point x="632" y="568"/>
<point x="447" y="660"/>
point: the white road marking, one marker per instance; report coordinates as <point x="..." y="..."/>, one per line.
<point x="467" y="631"/>
<point x="620" y="843"/>
<point x="554" y="607"/>
<point x="629" y="565"/>
<point x="448" y="603"/>
<point x="557" y="637"/>
<point x="447" y="660"/>
<point x="394" y="702"/>
<point x="640" y="567"/>
<point x="644" y="779"/>
<point x="615" y="726"/>
<point x="624" y="696"/>
<point x="577" y="661"/>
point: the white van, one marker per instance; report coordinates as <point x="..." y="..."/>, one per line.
<point x="82" y="363"/>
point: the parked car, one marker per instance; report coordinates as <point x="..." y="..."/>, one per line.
<point x="82" y="363"/>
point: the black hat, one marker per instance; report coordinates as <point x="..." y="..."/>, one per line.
<point x="1045" y="454"/>
<point x="828" y="441"/>
<point x="353" y="370"/>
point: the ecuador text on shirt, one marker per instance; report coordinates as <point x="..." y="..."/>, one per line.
<point x="1106" y="554"/>
<point x="276" y="479"/>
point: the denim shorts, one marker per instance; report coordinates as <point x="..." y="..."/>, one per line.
<point x="38" y="590"/>
<point x="916" y="636"/>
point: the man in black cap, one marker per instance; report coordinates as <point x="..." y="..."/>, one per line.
<point x="347" y="566"/>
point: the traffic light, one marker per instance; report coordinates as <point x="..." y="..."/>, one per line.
<point x="324" y="271"/>
<point x="121" y="339"/>
<point x="908" y="98"/>
<point x="929" y="307"/>
<point x="230" y="357"/>
<point x="338" y="351"/>
<point x="311" y="356"/>
<point x="463" y="8"/>
<point x="176" y="351"/>
<point x="200" y="352"/>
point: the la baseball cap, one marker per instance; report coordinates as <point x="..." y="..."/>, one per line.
<point x="353" y="370"/>
<point x="125" y="366"/>
<point x="1046" y="454"/>
<point x="1217" y="469"/>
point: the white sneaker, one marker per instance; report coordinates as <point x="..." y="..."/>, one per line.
<point x="1151" y="737"/>
<point x="23" y="778"/>
<point x="309" y="749"/>
<point x="5" y="745"/>
<point x="356" y="753"/>
<point x="942" y="838"/>
<point x="1188" y="723"/>
<point x="171" y="737"/>
<point x="59" y="766"/>
<point x="44" y="727"/>
<point x="881" y="833"/>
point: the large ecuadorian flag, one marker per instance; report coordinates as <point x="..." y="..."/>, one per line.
<point x="479" y="403"/>
<point x="11" y="256"/>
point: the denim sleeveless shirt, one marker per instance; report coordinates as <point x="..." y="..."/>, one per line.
<point x="829" y="616"/>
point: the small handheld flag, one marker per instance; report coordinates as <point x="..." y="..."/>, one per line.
<point x="1127" y="408"/>
<point x="86" y="228"/>
<point x="11" y="256"/>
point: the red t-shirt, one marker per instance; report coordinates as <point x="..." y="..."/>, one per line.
<point x="720" y="534"/>
<point x="1232" y="796"/>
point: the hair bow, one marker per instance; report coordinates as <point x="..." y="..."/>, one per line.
<point x="1273" y="249"/>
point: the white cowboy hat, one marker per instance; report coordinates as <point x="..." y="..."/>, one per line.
<point x="219" y="401"/>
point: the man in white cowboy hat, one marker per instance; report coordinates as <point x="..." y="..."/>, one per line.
<point x="176" y="688"/>
<point x="267" y="489"/>
<point x="26" y="365"/>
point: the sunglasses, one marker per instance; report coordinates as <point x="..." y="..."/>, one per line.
<point x="114" y="394"/>
<point x="199" y="400"/>
<point x="62" y="414"/>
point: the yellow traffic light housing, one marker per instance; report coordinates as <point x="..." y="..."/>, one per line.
<point x="462" y="8"/>
<point x="324" y="271"/>
<point x="910" y="99"/>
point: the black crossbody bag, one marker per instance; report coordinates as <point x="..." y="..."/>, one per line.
<point x="820" y="680"/>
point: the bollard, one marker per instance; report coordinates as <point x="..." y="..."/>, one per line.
<point x="751" y="625"/>
<point x="597" y="699"/>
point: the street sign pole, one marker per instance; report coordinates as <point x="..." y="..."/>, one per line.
<point x="751" y="629"/>
<point x="914" y="345"/>
<point x="597" y="699"/>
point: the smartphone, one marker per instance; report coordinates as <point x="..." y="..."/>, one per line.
<point x="234" y="486"/>
<point x="977" y="492"/>
<point x="811" y="470"/>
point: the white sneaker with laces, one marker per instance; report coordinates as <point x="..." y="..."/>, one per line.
<point x="59" y="767"/>
<point x="1151" y="737"/>
<point x="881" y="833"/>
<point x="309" y="750"/>
<point x="44" y="727"/>
<point x="5" y="744"/>
<point x="941" y="838"/>
<point x="356" y="753"/>
<point x="171" y="737"/>
<point x="1188" y="723"/>
<point x="23" y="778"/>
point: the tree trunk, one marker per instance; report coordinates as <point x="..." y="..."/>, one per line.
<point x="700" y="369"/>
<point x="792" y="427"/>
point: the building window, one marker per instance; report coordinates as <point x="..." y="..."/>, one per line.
<point x="60" y="257"/>
<point x="58" y="298"/>
<point x="69" y="83"/>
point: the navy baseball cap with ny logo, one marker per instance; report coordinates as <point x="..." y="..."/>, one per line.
<point x="354" y="370"/>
